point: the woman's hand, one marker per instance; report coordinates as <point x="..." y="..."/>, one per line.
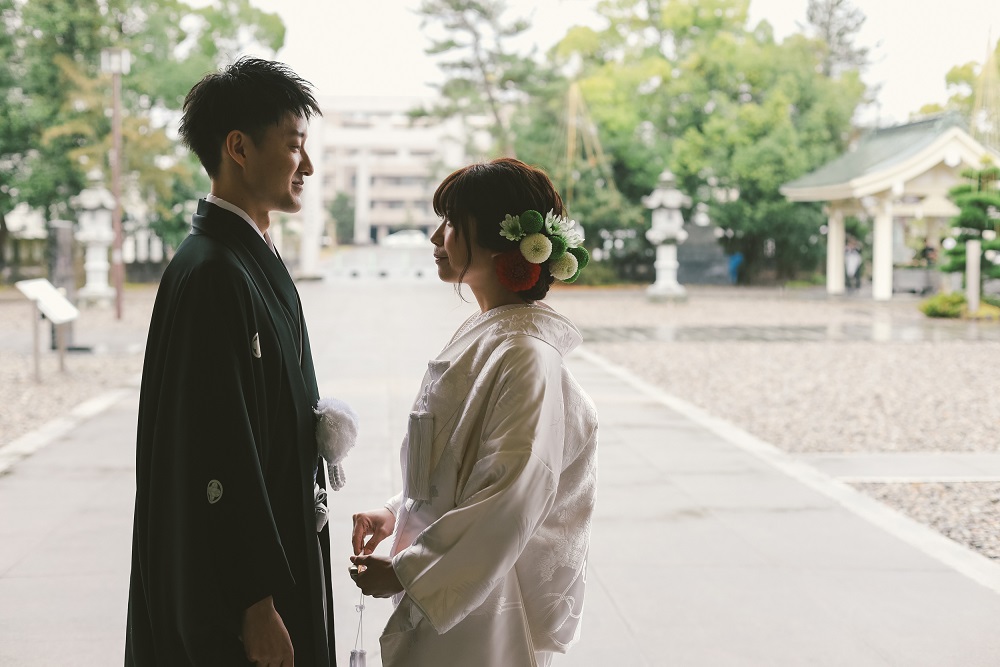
<point x="375" y="576"/>
<point x="376" y="525"/>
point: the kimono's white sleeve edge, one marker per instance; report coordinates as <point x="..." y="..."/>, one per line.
<point x="406" y="586"/>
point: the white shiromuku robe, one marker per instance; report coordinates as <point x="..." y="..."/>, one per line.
<point x="493" y="524"/>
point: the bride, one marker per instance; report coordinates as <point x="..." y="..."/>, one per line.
<point x="492" y="527"/>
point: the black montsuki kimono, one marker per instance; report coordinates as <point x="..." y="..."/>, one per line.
<point x="226" y="457"/>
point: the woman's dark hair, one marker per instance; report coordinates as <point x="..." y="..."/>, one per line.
<point x="248" y="96"/>
<point x="483" y="193"/>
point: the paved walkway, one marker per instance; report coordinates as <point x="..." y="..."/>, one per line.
<point x="709" y="546"/>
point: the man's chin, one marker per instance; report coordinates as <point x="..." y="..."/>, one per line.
<point x="293" y="205"/>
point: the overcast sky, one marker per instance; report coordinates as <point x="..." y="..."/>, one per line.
<point x="358" y="47"/>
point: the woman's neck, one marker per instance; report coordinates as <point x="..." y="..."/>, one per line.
<point x="495" y="296"/>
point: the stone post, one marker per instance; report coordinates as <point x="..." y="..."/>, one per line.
<point x="665" y="233"/>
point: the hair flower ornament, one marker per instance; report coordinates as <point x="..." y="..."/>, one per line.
<point x="552" y="240"/>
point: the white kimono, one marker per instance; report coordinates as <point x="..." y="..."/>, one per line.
<point x="493" y="524"/>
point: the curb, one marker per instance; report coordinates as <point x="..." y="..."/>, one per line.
<point x="34" y="441"/>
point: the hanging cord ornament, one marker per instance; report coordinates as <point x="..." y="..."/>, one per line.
<point x="358" y="654"/>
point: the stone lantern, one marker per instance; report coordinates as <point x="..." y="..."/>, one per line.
<point x="96" y="205"/>
<point x="666" y="233"/>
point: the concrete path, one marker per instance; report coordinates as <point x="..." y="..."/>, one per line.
<point x="709" y="547"/>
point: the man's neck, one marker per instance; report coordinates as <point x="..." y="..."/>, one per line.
<point x="235" y="197"/>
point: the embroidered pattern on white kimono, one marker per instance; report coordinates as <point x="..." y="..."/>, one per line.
<point x="500" y="473"/>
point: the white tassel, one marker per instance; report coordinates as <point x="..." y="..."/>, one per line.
<point x="336" y="434"/>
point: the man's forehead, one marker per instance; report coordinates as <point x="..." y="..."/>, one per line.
<point x="293" y="124"/>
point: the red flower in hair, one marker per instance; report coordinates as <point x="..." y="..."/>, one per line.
<point x="515" y="272"/>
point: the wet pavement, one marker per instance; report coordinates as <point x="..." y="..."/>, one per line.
<point x="882" y="331"/>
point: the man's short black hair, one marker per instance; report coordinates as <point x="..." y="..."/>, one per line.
<point x="248" y="96"/>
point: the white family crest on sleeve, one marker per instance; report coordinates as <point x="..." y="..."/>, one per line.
<point x="255" y="345"/>
<point x="214" y="491"/>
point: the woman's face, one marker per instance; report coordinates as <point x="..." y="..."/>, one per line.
<point x="451" y="255"/>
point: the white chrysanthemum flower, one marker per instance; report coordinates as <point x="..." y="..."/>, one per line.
<point x="551" y="223"/>
<point x="572" y="234"/>
<point x="536" y="248"/>
<point x="564" y="267"/>
<point x="510" y="228"/>
<point x="557" y="225"/>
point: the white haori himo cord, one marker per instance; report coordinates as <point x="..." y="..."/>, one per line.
<point x="359" y="657"/>
<point x="336" y="433"/>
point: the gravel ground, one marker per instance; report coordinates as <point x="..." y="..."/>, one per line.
<point x="967" y="512"/>
<point x="832" y="396"/>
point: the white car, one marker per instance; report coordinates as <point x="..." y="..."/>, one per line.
<point x="406" y="238"/>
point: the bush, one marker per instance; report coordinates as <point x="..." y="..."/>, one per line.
<point x="944" y="305"/>
<point x="953" y="305"/>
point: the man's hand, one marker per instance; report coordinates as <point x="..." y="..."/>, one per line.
<point x="375" y="576"/>
<point x="265" y="639"/>
<point x="375" y="523"/>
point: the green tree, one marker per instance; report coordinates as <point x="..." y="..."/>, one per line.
<point x="342" y="212"/>
<point x="961" y="83"/>
<point x="57" y="97"/>
<point x="483" y="75"/>
<point x="835" y="25"/>
<point x="978" y="200"/>
<point x="734" y="113"/>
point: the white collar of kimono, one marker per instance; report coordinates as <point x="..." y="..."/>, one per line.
<point x="537" y="319"/>
<point x="233" y="208"/>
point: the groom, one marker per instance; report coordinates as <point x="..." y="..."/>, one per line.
<point x="227" y="565"/>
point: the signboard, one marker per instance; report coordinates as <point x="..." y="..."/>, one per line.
<point x="54" y="306"/>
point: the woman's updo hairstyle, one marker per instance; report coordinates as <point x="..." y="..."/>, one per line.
<point x="483" y="193"/>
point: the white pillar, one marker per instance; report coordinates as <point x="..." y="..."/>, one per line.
<point x="835" y="247"/>
<point x="313" y="215"/>
<point x="882" y="254"/>
<point x="362" y="201"/>
<point x="973" y="255"/>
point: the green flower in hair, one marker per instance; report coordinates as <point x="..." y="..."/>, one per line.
<point x="558" y="247"/>
<point x="582" y="256"/>
<point x="531" y="222"/>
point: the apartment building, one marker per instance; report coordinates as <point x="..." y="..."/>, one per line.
<point x="387" y="163"/>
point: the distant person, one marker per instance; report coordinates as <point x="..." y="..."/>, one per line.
<point x="852" y="265"/>
<point x="492" y="528"/>
<point x="735" y="261"/>
<point x="928" y="254"/>
<point x="227" y="565"/>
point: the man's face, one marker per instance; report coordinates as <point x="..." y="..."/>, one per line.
<point x="277" y="165"/>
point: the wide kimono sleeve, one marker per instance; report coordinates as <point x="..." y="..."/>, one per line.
<point x="455" y="562"/>
<point x="213" y="545"/>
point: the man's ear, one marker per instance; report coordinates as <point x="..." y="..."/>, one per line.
<point x="235" y="147"/>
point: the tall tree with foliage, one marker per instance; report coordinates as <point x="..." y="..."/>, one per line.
<point x="835" y="25"/>
<point x="484" y="76"/>
<point x="961" y="83"/>
<point x="978" y="200"/>
<point x="55" y="92"/>
<point x="688" y="85"/>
